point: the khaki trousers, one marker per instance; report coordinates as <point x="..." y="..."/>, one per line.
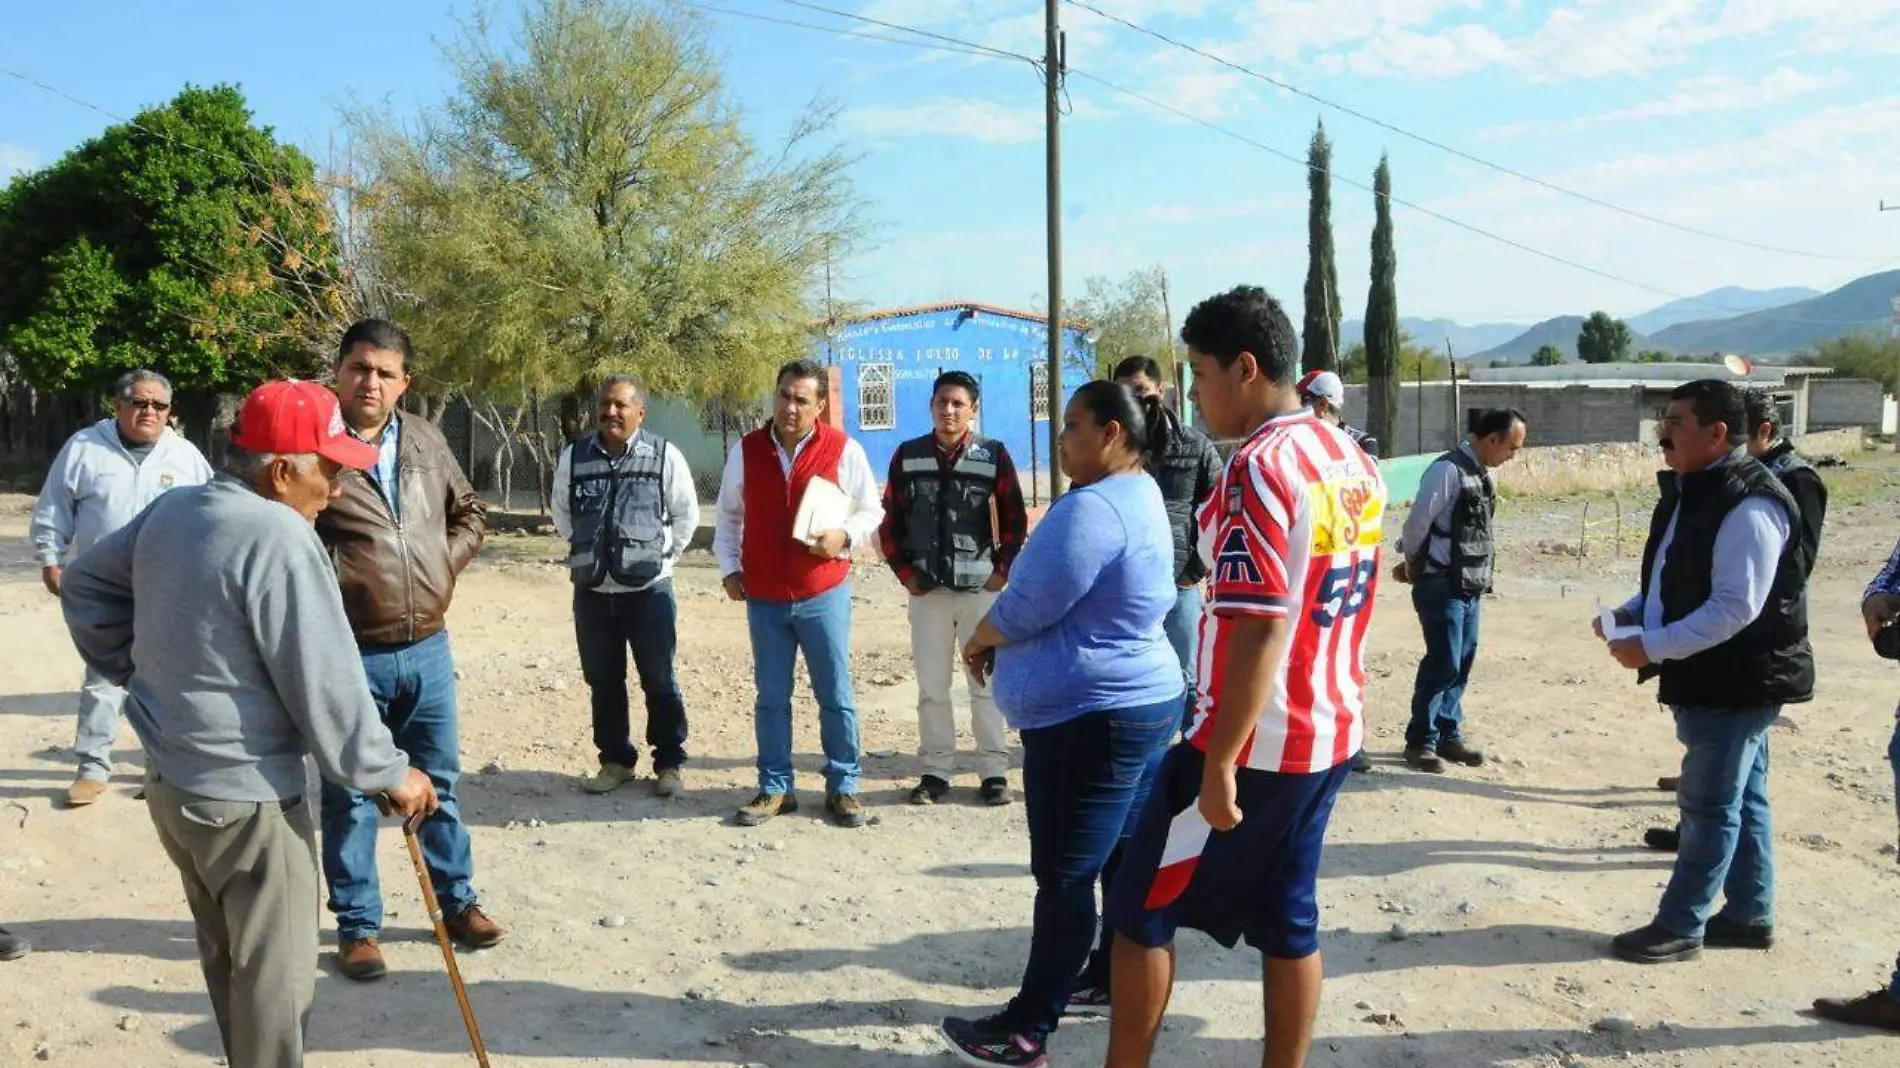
<point x="941" y="621"/>
<point x="250" y="875"/>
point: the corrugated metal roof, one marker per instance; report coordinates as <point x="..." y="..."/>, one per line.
<point x="952" y="305"/>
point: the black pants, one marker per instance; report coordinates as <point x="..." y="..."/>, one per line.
<point x="605" y="626"/>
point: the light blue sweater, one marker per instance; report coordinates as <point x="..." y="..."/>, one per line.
<point x="1084" y="607"/>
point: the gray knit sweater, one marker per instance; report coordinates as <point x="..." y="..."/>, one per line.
<point x="218" y="611"/>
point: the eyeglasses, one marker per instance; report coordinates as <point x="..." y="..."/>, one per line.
<point x="149" y="405"/>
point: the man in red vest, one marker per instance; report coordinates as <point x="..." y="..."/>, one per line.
<point x="797" y="593"/>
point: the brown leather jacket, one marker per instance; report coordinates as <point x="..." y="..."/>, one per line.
<point x="398" y="576"/>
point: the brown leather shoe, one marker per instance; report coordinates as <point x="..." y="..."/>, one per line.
<point x="1869" y="1010"/>
<point x="472" y="929"/>
<point x="765" y="807"/>
<point x="84" y="792"/>
<point x="361" y="959"/>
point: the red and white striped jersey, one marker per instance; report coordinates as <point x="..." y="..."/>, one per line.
<point x="1294" y="530"/>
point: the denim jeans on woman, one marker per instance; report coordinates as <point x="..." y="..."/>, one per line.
<point x="1727" y="834"/>
<point x="1084" y="783"/>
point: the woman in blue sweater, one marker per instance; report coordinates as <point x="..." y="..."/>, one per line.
<point x="1084" y="671"/>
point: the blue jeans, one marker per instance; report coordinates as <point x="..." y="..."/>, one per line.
<point x="414" y="688"/>
<point x="1085" y="781"/>
<point x="1450" y="622"/>
<point x="605" y="624"/>
<point x="821" y="628"/>
<point x="1727" y="836"/>
<point x="1182" y="625"/>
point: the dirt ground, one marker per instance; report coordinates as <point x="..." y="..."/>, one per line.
<point x="1470" y="913"/>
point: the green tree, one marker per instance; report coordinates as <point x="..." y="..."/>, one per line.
<point x="1654" y="356"/>
<point x="586" y="201"/>
<point x="1603" y="339"/>
<point x="1127" y="318"/>
<point x="188" y="241"/>
<point x="1857" y="356"/>
<point x="1382" y="317"/>
<point x="1547" y="356"/>
<point x="1323" y="314"/>
<point x="1421" y="362"/>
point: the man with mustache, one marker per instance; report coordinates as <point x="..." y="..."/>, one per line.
<point x="104" y="475"/>
<point x="797" y="593"/>
<point x="624" y="502"/>
<point x="1723" y="612"/>
<point x="1766" y="444"/>
<point x="400" y="531"/>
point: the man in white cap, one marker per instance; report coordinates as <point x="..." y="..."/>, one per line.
<point x="1323" y="392"/>
<point x="218" y="611"/>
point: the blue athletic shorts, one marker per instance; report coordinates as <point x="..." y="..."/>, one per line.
<point x="1258" y="881"/>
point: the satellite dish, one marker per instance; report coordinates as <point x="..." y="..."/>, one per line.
<point x="1738" y="366"/>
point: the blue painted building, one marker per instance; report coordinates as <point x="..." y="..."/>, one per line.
<point x="887" y="361"/>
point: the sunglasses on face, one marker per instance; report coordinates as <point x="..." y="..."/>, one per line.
<point x="149" y="405"/>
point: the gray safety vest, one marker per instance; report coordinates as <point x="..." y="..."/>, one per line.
<point x="947" y="533"/>
<point x="618" y="506"/>
<point x="1467" y="529"/>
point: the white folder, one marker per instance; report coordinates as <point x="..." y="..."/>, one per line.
<point x="824" y="507"/>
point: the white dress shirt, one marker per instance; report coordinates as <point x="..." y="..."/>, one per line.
<point x="682" y="513"/>
<point x="1747" y="551"/>
<point x="855" y="478"/>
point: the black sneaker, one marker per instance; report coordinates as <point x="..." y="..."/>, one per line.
<point x="990" y="1041"/>
<point x="1724" y="933"/>
<point x="995" y="791"/>
<point x="1361" y="762"/>
<point x="1425" y="760"/>
<point x="929" y="791"/>
<point x="1088" y="1000"/>
<point x="1663" y="839"/>
<point x="1651" y="944"/>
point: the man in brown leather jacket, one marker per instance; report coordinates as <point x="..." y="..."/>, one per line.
<point x="400" y="533"/>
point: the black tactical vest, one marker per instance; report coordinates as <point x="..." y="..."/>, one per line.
<point x="948" y="537"/>
<point x="1467" y="529"/>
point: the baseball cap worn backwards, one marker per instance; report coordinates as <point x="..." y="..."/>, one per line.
<point x="290" y="416"/>
<point x="1324" y="384"/>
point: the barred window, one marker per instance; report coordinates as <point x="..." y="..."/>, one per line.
<point x="1039" y="391"/>
<point x="877" y="407"/>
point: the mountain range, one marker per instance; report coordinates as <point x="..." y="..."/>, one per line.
<point x="1765" y="323"/>
<point x="1437" y="332"/>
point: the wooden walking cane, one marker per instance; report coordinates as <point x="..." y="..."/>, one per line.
<point x="442" y="937"/>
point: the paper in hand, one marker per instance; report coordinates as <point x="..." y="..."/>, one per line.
<point x="823" y="507"/>
<point x="1614" y="631"/>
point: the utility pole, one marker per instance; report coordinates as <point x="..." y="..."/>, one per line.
<point x="1894" y="333"/>
<point x="1052" y="71"/>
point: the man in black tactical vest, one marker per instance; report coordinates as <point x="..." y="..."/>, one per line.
<point x="1765" y="443"/>
<point x="624" y="500"/>
<point x="1448" y="548"/>
<point x="939" y="536"/>
<point x="1722" y="618"/>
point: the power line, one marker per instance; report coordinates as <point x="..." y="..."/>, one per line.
<point x="1444" y="218"/>
<point x="978" y="52"/>
<point x="900" y="28"/>
<point x="1458" y="152"/>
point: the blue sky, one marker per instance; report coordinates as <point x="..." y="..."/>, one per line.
<point x="1772" y="121"/>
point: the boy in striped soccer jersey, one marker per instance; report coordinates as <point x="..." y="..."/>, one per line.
<point x="1231" y="838"/>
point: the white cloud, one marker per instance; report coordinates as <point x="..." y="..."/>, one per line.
<point x="1458" y="51"/>
<point x="16" y="160"/>
<point x="978" y="120"/>
<point x="1695" y="96"/>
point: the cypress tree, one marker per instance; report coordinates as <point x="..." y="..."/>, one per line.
<point x="1321" y="336"/>
<point x="1382" y="319"/>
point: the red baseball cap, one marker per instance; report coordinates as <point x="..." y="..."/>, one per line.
<point x="289" y="416"/>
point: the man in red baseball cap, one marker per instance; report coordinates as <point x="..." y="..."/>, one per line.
<point x="244" y="665"/>
<point x="294" y="431"/>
